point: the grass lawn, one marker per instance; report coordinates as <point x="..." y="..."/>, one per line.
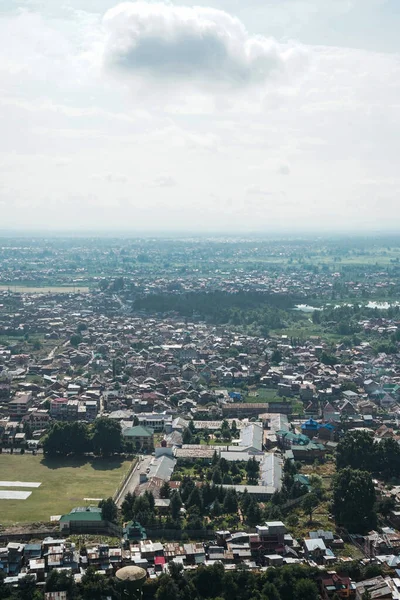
<point x="271" y="395"/>
<point x="65" y="483"/>
<point x="263" y="395"/>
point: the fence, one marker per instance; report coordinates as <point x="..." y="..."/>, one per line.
<point x="176" y="534"/>
<point x="122" y="484"/>
<point x="29" y="534"/>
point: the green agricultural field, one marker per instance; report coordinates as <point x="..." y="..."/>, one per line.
<point x="65" y="484"/>
<point x="48" y="289"/>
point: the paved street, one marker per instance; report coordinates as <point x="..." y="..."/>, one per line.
<point x="133" y="481"/>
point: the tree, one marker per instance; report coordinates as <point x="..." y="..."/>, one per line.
<point x="175" y="505"/>
<point x="230" y="502"/>
<point x="388" y="458"/>
<point x="305" y="589"/>
<point x="217" y="476"/>
<point x="245" y="500"/>
<point x="328" y="359"/>
<point x="270" y="592"/>
<point x="75" y="340"/>
<point x="175" y="570"/>
<point x="356" y="450"/>
<point x="316" y="484"/>
<point x="253" y="513"/>
<point x="224" y="465"/>
<point x="310" y="503"/>
<point x="276" y="357"/>
<point x="60" y="581"/>
<point x="252" y="470"/>
<point x="353" y="500"/>
<point x="385" y="506"/>
<point x="187" y="436"/>
<point x="167" y="589"/>
<point x="150" y="499"/>
<point x="216" y="510"/>
<point x="94" y="586"/>
<point x="215" y="459"/>
<point x="195" y="499"/>
<point x="67" y="438"/>
<point x="127" y="506"/>
<point x="225" y="431"/>
<point x="109" y="510"/>
<point x="165" y="490"/>
<point x="107" y="436"/>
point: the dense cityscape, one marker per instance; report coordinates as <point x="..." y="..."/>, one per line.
<point x="220" y="415"/>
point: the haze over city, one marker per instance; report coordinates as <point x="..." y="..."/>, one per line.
<point x="246" y="116"/>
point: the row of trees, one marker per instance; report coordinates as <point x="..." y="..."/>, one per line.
<point x="268" y="311"/>
<point x="103" y="437"/>
<point x="345" y="320"/>
<point x="358" y="458"/>
<point x="285" y="583"/>
<point x="358" y="450"/>
<point x="292" y="582"/>
<point x="200" y="502"/>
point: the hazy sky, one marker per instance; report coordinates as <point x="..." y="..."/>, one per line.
<point x="227" y="115"/>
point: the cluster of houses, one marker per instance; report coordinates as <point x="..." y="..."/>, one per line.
<point x="269" y="545"/>
<point x="159" y="377"/>
<point x="124" y="365"/>
<point x="192" y="265"/>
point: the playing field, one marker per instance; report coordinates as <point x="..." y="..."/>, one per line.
<point x="64" y="484"/>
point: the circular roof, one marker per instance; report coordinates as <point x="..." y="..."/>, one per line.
<point x="131" y="574"/>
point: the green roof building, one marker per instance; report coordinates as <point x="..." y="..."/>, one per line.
<point x="87" y="519"/>
<point x="141" y="437"/>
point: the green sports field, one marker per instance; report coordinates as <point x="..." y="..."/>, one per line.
<point x="65" y="482"/>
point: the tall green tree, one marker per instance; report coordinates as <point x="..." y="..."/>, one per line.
<point x="109" y="510"/>
<point x="231" y="502"/>
<point x="357" y="450"/>
<point x="165" y="490"/>
<point x="187" y="436"/>
<point x="353" y="500"/>
<point x="305" y="589"/>
<point x="388" y="458"/>
<point x="175" y="505"/>
<point x="107" y="436"/>
<point x="67" y="438"/>
<point x="310" y="503"/>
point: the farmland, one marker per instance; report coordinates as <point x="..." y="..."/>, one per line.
<point x="48" y="289"/>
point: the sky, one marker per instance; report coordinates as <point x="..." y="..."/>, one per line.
<point x="227" y="115"/>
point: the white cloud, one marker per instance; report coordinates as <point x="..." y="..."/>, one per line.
<point x="189" y="44"/>
<point x="283" y="169"/>
<point x="256" y="190"/>
<point x="164" y="181"/>
<point x="172" y="143"/>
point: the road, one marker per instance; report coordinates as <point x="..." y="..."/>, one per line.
<point x="133" y="481"/>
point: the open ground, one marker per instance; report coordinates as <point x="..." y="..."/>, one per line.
<point x="65" y="482"/>
<point x="54" y="289"/>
